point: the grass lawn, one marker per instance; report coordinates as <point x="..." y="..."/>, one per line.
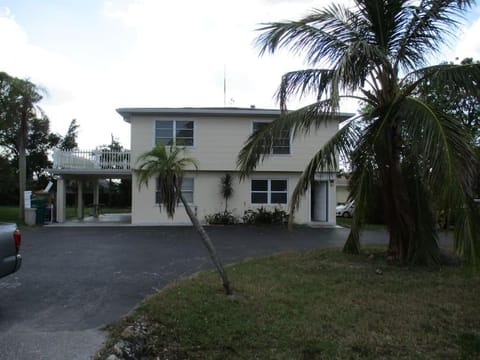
<point x="9" y="214"/>
<point x="312" y="305"/>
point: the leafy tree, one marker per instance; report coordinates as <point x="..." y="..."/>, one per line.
<point x="115" y="156"/>
<point x="376" y="51"/>
<point x="69" y="141"/>
<point x="169" y="166"/>
<point x="8" y="181"/>
<point x="19" y="100"/>
<point x="39" y="142"/>
<point x="460" y="105"/>
<point x="456" y="102"/>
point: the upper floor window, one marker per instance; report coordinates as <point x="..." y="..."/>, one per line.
<point x="269" y="191"/>
<point x="281" y="144"/>
<point x="187" y="190"/>
<point x="174" y="132"/>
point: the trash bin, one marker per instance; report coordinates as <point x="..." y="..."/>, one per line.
<point x="30" y="216"/>
<point x="40" y="203"/>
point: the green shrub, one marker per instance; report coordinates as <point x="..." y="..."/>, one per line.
<point x="221" y="218"/>
<point x="262" y="216"/>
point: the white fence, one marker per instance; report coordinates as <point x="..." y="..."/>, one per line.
<point x="91" y="160"/>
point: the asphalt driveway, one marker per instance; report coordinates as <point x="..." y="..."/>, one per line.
<point x="73" y="281"/>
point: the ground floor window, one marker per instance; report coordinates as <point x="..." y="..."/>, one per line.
<point x="187" y="190"/>
<point x="269" y="191"/>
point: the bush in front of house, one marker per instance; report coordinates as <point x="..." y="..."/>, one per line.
<point x="263" y="216"/>
<point x="221" y="218"/>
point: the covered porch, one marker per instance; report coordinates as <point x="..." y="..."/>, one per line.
<point x="83" y="167"/>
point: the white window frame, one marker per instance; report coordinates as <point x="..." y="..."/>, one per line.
<point x="269" y="191"/>
<point x="174" y="131"/>
<point x="272" y="153"/>
<point x="184" y="191"/>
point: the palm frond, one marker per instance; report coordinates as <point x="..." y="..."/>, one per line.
<point x="325" y="160"/>
<point x="382" y="20"/>
<point x="362" y="177"/>
<point x="438" y="143"/>
<point x="439" y="138"/>
<point x="467" y="231"/>
<point x="465" y="77"/>
<point x="311" y="35"/>
<point x="300" y="122"/>
<point x="334" y="34"/>
<point x="168" y="167"/>
<point x="429" y="26"/>
<point x="304" y="82"/>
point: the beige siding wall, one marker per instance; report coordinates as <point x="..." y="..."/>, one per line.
<point x="208" y="200"/>
<point x="217" y="143"/>
<point x="342" y="193"/>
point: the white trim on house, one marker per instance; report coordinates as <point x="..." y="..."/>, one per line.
<point x="127" y="113"/>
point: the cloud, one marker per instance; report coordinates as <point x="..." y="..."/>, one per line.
<point x="71" y="91"/>
<point x="154" y="53"/>
<point x="26" y="60"/>
<point x="181" y="48"/>
<point x="469" y="42"/>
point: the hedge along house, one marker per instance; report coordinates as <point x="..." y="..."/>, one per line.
<point x="214" y="137"/>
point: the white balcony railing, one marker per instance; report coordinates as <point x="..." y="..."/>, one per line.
<point x="106" y="160"/>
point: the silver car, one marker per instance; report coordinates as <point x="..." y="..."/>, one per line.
<point x="10" y="240"/>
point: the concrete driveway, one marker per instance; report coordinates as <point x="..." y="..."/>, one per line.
<point x="75" y="280"/>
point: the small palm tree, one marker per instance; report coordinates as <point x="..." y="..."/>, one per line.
<point x="226" y="188"/>
<point x="413" y="149"/>
<point x="169" y="167"/>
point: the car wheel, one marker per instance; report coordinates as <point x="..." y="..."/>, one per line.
<point x="346" y="214"/>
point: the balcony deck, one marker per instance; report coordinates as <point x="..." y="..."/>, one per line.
<point x="92" y="162"/>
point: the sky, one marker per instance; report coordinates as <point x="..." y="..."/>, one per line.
<point x="94" y="56"/>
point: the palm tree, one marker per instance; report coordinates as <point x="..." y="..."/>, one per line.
<point x="412" y="149"/>
<point x="169" y="166"/>
<point x="226" y="188"/>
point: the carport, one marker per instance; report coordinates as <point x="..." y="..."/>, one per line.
<point x="82" y="166"/>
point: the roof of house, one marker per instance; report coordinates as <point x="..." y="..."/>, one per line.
<point x="207" y="111"/>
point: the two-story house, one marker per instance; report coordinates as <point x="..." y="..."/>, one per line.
<point x="214" y="137"/>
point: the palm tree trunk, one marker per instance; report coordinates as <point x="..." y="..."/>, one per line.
<point x="208" y="244"/>
<point x="22" y="162"/>
<point x="352" y="245"/>
<point x="399" y="214"/>
<point x="22" y="179"/>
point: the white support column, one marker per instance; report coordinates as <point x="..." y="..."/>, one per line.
<point x="80" y="205"/>
<point x="96" y="197"/>
<point x="61" y="200"/>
